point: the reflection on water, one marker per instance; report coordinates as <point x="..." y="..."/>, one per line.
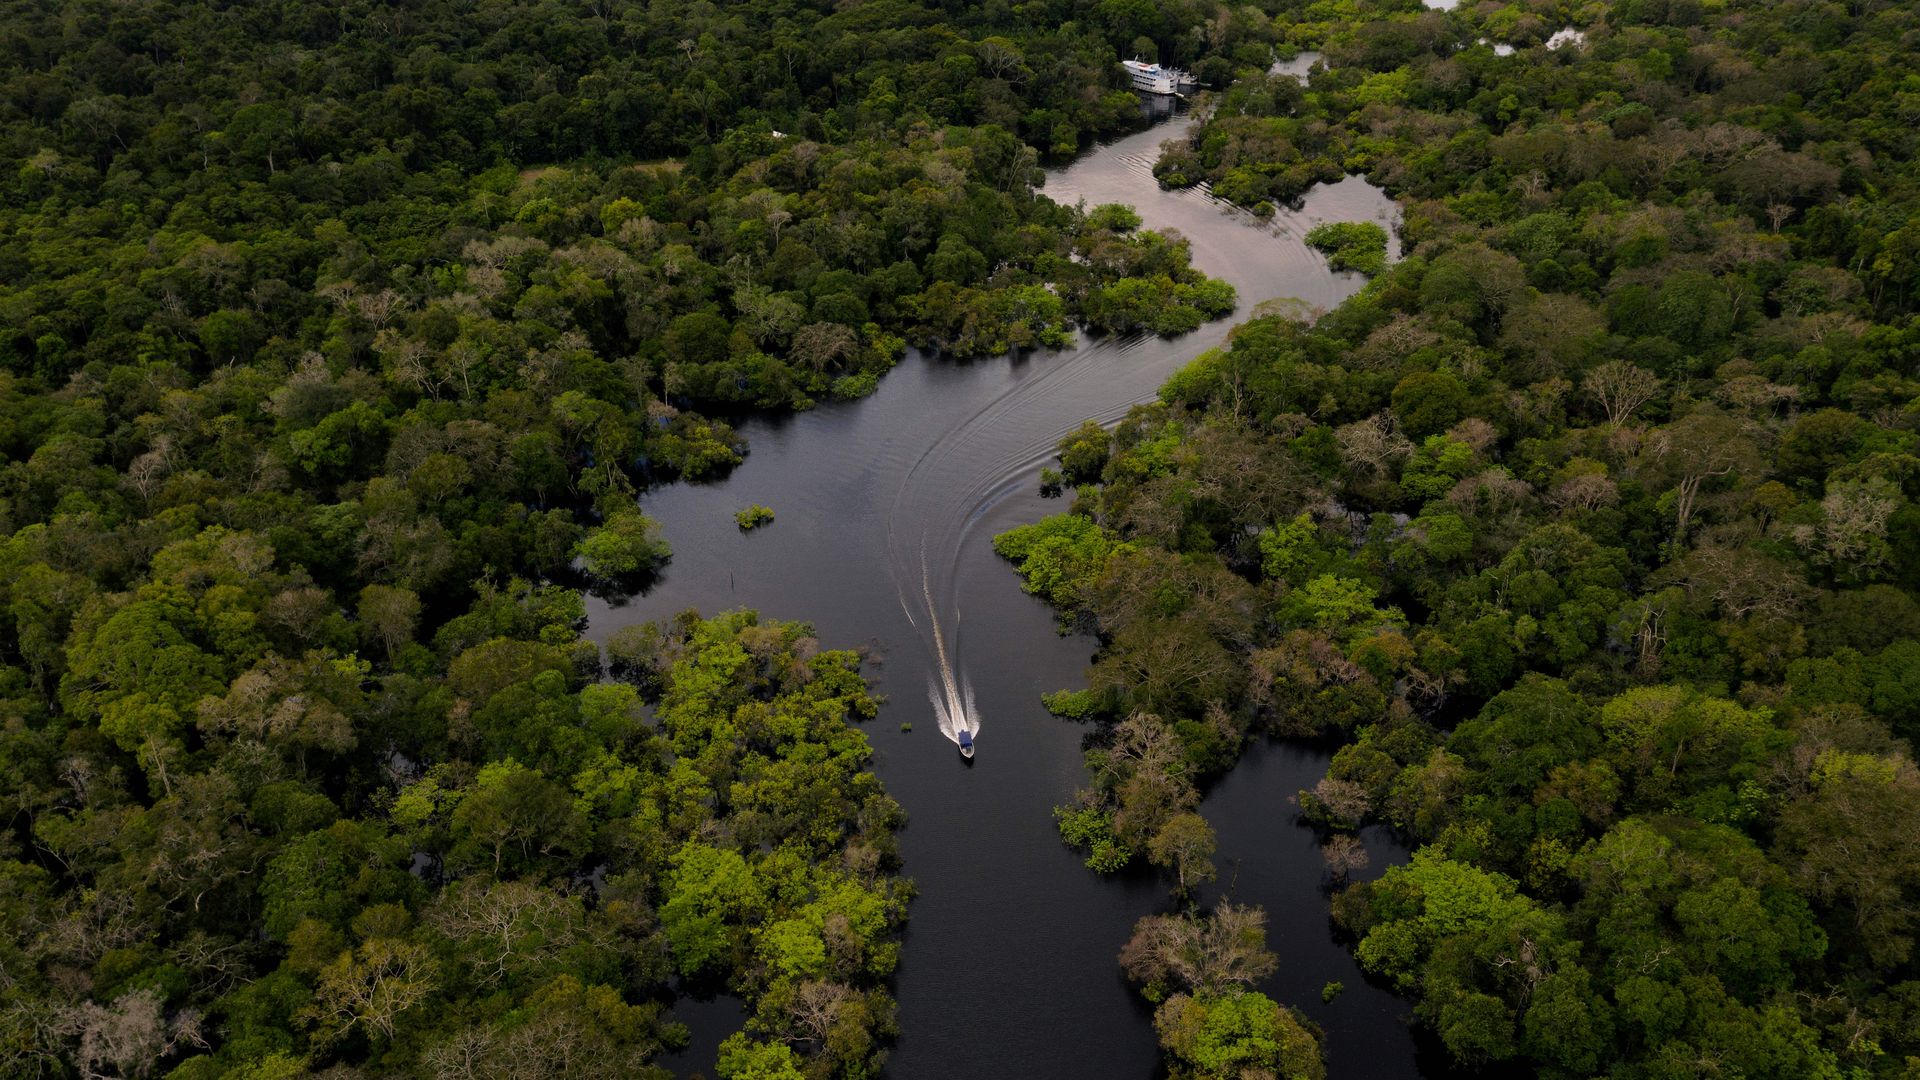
<point x="709" y="1020"/>
<point x="1299" y="67"/>
<point x="1267" y="859"/>
<point x="1009" y="963"/>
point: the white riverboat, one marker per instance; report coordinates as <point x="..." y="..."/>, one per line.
<point x="1154" y="79"/>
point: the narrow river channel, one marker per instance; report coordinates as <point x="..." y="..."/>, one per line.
<point x="1009" y="964"/>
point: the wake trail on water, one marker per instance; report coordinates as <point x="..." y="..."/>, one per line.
<point x="950" y="694"/>
<point x="947" y="492"/>
<point x="979" y="457"/>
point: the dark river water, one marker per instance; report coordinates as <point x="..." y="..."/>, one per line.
<point x="885" y="509"/>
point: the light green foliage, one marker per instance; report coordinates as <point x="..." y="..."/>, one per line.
<point x="1679" y="748"/>
<point x="1341" y="606"/>
<point x="622" y="547"/>
<point x="1384" y="88"/>
<point x="1084" y="453"/>
<point x="1071" y="704"/>
<point x="1351" y="245"/>
<point x="1431" y="917"/>
<point x="849" y="387"/>
<point x="1439" y="898"/>
<point x="1117" y="217"/>
<point x="711" y="893"/>
<point x="753" y="517"/>
<point x="742" y="1058"/>
<point x="1196" y="380"/>
<point x="1059" y="558"/>
<point x="1439" y="464"/>
<point x="1289" y="550"/>
<point x="1235" y="1034"/>
<point x="1092" y="829"/>
<point x="1159" y="304"/>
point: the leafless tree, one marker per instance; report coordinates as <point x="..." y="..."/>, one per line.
<point x="1588" y="491"/>
<point x="1620" y="388"/>
<point x="816" y="1007"/>
<point x="1531" y="185"/>
<point x="1144" y="741"/>
<point x="130" y="1037"/>
<point x="1854" y="520"/>
<point x="1373" y="445"/>
<point x="1344" y="854"/>
<point x="1338" y="802"/>
<point x="1206" y="955"/>
<point x="370" y="987"/>
<point x="147" y="471"/>
<point x="1001" y="57"/>
<point x="505" y="926"/>
<point x="1754" y="395"/>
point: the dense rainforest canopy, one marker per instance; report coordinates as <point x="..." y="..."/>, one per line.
<point x="1589" y="533"/>
<point x="336" y="342"/>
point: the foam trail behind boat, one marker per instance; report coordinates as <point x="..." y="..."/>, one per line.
<point x="952" y="697"/>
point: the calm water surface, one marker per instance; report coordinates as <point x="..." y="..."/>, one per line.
<point x="1300" y="67"/>
<point x="885" y="509"/>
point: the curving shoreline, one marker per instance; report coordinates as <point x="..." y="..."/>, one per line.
<point x="1010" y="934"/>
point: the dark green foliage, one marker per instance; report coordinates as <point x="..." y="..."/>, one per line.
<point x="334" y="339"/>
<point x="1586" y="528"/>
<point x="338" y="345"/>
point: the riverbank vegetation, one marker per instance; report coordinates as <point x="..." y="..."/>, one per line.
<point x="1587" y="533"/>
<point x="1198" y="971"/>
<point x="336" y="345"/>
<point x="279" y="884"/>
<point x="1351" y="245"/>
<point x="414" y="202"/>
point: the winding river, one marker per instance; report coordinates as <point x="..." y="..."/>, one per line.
<point x="885" y="509"/>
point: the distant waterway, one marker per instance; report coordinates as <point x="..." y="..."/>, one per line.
<point x="1009" y="962"/>
<point x="1300" y="67"/>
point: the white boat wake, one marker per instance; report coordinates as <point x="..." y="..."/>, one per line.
<point x="950" y="694"/>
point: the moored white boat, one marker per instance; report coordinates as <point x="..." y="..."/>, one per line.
<point x="1154" y="79"/>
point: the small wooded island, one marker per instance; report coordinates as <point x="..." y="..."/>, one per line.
<point x="342" y="345"/>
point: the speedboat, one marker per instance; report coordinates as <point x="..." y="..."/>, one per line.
<point x="966" y="743"/>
